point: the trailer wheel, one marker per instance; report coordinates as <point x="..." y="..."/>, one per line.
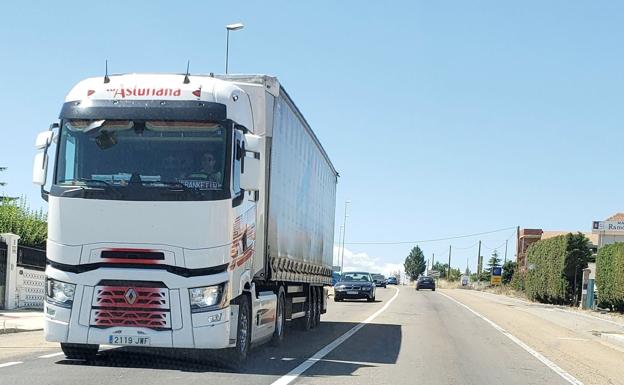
<point x="280" y="318"/>
<point x="80" y="351"/>
<point x="237" y="355"/>
<point x="305" y="323"/>
<point x="313" y="309"/>
<point x="319" y="306"/>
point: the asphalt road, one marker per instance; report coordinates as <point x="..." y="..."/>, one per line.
<point x="421" y="337"/>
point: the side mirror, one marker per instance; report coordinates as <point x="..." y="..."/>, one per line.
<point x="254" y="143"/>
<point x="40" y="168"/>
<point x="44" y="139"/>
<point x="250" y="178"/>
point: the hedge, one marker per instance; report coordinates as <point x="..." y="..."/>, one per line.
<point x="554" y="264"/>
<point x="610" y="276"/>
<point x="17" y="218"/>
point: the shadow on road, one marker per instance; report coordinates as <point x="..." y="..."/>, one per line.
<point x="373" y="344"/>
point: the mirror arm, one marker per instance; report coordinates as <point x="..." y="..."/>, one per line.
<point x="44" y="194"/>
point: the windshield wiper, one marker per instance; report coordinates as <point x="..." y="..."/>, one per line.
<point x="171" y="186"/>
<point x="89" y="186"/>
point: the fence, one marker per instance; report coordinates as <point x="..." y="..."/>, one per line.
<point x="3" y="272"/>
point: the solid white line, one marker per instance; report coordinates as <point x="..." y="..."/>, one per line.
<point x="51" y="355"/>
<point x="307" y="364"/>
<point x="554" y="367"/>
<point x="10" y="364"/>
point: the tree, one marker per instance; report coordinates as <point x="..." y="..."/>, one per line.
<point x="415" y="263"/>
<point x="455" y="274"/>
<point x="509" y="269"/>
<point x="17" y="218"/>
<point x="442" y="268"/>
<point x="494" y="261"/>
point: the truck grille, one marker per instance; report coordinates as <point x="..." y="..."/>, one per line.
<point x="139" y="297"/>
<point x="131" y="318"/>
<point x="131" y="306"/>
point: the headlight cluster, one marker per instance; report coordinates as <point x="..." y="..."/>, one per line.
<point x="208" y="298"/>
<point x="60" y="293"/>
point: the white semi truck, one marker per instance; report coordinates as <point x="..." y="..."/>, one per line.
<point x="184" y="212"/>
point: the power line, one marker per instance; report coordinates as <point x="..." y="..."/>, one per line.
<point x="431" y="240"/>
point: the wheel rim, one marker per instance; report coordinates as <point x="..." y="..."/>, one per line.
<point x="242" y="340"/>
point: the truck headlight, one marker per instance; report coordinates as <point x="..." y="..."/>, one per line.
<point x="208" y="298"/>
<point x="60" y="293"/>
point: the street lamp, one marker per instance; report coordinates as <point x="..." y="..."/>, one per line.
<point x="230" y="27"/>
<point x="344" y="235"/>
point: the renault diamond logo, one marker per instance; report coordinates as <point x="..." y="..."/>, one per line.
<point x="130" y="296"/>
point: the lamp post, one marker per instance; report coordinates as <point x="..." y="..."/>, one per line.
<point x="344" y="235"/>
<point x="230" y="27"/>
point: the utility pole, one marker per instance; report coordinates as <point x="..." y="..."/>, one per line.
<point x="506" y="251"/>
<point x="448" y="275"/>
<point x="432" y="260"/>
<point x="344" y="236"/>
<point x="479" y="262"/>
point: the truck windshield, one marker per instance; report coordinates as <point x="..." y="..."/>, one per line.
<point x="143" y="159"/>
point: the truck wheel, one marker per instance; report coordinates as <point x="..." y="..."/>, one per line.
<point x="280" y="318"/>
<point x="312" y="306"/>
<point x="305" y="323"/>
<point x="319" y="306"/>
<point x="80" y="351"/>
<point x="237" y="355"/>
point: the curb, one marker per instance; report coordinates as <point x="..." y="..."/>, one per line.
<point x="613" y="339"/>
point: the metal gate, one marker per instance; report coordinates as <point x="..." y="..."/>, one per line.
<point x="30" y="281"/>
<point x="3" y="270"/>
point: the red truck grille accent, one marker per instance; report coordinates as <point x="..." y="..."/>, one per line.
<point x="131" y="306"/>
<point x="138" y="297"/>
<point x="132" y="318"/>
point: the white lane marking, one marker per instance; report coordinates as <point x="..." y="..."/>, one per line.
<point x="307" y="364"/>
<point x="11" y="364"/>
<point x="51" y="355"/>
<point x="554" y="367"/>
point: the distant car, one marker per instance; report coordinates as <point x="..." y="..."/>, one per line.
<point x="380" y="280"/>
<point x="355" y="285"/>
<point x="392" y="281"/>
<point x="425" y="283"/>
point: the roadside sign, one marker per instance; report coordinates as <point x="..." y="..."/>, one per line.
<point x="496" y="277"/>
<point x="434" y="273"/>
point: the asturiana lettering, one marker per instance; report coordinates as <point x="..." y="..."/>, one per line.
<point x="127" y="92"/>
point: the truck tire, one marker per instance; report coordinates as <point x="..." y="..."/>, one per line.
<point x="305" y="323"/>
<point x="280" y="318"/>
<point x="237" y="355"/>
<point x="80" y="351"/>
<point x="319" y="306"/>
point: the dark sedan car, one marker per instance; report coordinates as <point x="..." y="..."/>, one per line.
<point x="425" y="283"/>
<point x="380" y="280"/>
<point x="355" y="285"/>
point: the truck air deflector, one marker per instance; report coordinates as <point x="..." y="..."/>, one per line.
<point x="182" y="110"/>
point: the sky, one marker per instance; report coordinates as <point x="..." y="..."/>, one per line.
<point x="443" y="118"/>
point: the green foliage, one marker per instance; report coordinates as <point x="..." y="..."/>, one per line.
<point x="509" y="268"/>
<point x="17" y="218"/>
<point x="554" y="264"/>
<point x="415" y="263"/>
<point x="610" y="276"/>
<point x="455" y="275"/>
<point x="494" y="261"/>
<point x="442" y="268"/>
<point x="518" y="281"/>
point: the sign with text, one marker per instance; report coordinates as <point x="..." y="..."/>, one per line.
<point x="496" y="277"/>
<point x="608" y="226"/>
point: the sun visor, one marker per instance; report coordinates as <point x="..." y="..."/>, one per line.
<point x="144" y="110"/>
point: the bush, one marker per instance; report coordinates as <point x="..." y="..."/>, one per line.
<point x="554" y="266"/>
<point x="610" y="276"/>
<point x="518" y="281"/>
<point x="17" y="218"/>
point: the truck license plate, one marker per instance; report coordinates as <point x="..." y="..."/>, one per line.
<point x="129" y="340"/>
<point x="352" y="292"/>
